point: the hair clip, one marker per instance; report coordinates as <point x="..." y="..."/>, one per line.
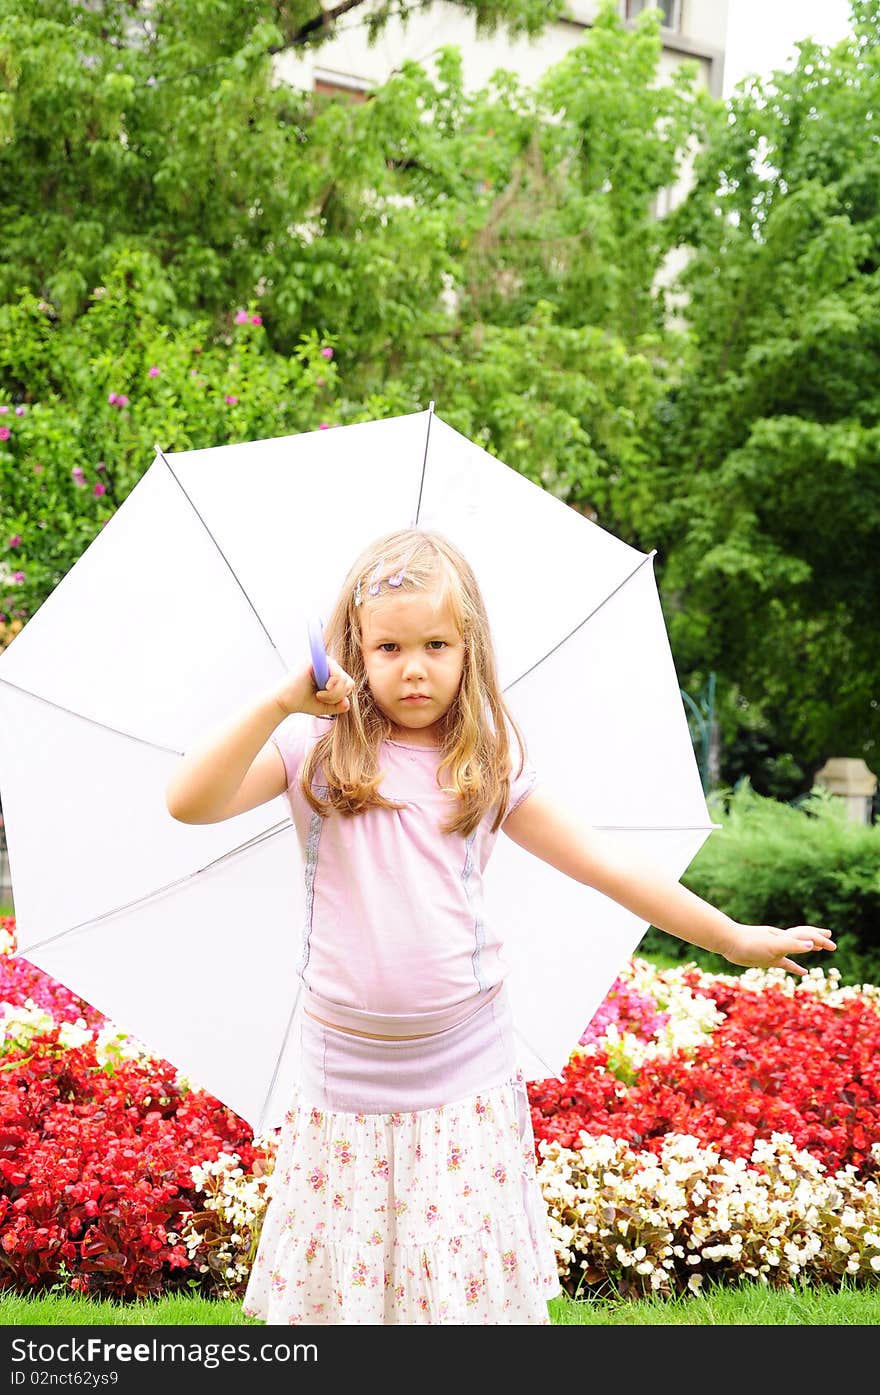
<point x="375" y="585"/>
<point x="375" y="582"/>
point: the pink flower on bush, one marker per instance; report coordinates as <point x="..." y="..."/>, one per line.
<point x="629" y="1011"/>
<point x="326" y="352"/>
<point x="242" y="317"/>
<point x="99" y="489"/>
<point x="101" y="467"/>
<point x="79" y="474"/>
<point x="5" y="433"/>
<point x="20" y="411"/>
<point x="118" y="399"/>
<point x="18" y="576"/>
<point x="154" y="371"/>
<point x="324" y="426"/>
<point x="230" y="400"/>
<point x="38" y="469"/>
<point x="15" y="540"/>
<point x="256" y="319"/>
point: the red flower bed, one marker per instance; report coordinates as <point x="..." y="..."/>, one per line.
<point x="95" y="1157"/>
<point x="94" y="1169"/>
<point x="777" y="1063"/>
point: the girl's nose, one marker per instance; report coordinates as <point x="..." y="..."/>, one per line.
<point x="414" y="666"/>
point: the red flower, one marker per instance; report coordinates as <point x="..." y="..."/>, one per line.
<point x="778" y="1063"/>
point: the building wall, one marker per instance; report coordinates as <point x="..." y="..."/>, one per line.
<point x="349" y="63"/>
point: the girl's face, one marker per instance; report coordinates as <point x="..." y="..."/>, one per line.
<point x="414" y="658"/>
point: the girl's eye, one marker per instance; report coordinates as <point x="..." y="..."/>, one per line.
<point x="389" y="645"/>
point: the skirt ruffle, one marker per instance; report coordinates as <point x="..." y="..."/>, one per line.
<point x="430" y="1216"/>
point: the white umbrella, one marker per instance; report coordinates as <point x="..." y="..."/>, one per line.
<point x="192" y="600"/>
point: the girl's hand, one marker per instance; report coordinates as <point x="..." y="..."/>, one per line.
<point x="766" y="947"/>
<point x="297" y="693"/>
<point x="334" y="699"/>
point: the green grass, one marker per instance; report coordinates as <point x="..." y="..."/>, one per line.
<point x="748" y="1305"/>
<point x="58" y="1310"/>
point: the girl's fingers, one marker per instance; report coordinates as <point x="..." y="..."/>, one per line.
<point x="816" y="932"/>
<point x="790" y="964"/>
<point x="336" y="692"/>
<point x="818" y="942"/>
<point x="334" y="685"/>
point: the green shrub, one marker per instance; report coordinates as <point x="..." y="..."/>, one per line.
<point x="772" y="863"/>
<point x="83" y="406"/>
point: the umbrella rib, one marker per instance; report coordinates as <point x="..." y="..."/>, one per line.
<point x="583" y="622"/>
<point x="424" y="464"/>
<point x="161" y="890"/>
<point x="259" y="619"/>
<point x="656" y="827"/>
<point x="92" y="721"/>
<point x="551" y="1073"/>
<point x="278" y="1059"/>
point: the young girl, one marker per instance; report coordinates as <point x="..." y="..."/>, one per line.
<point x="404" y="1188"/>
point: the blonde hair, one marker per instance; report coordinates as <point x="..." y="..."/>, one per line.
<point x="475" y="731"/>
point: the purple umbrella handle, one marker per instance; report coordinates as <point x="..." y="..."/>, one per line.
<point x="319" y="654"/>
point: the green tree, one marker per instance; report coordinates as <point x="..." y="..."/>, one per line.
<point x="771" y="526"/>
<point x="160" y="127"/>
<point x="152" y="214"/>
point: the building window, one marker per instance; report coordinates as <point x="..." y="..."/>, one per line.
<point x="670" y="11"/>
<point x="340" y="85"/>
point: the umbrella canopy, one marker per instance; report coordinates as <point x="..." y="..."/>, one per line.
<point x="193" y="599"/>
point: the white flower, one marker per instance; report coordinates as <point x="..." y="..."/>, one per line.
<point x="72" y="1034"/>
<point x="112" y="1044"/>
<point x="19" y="1025"/>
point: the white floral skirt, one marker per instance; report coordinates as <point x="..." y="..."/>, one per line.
<point x="406" y="1215"/>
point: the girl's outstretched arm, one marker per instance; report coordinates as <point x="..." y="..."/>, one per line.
<point x="544" y="827"/>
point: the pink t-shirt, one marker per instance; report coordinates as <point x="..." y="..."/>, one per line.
<point x="394" y="919"/>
